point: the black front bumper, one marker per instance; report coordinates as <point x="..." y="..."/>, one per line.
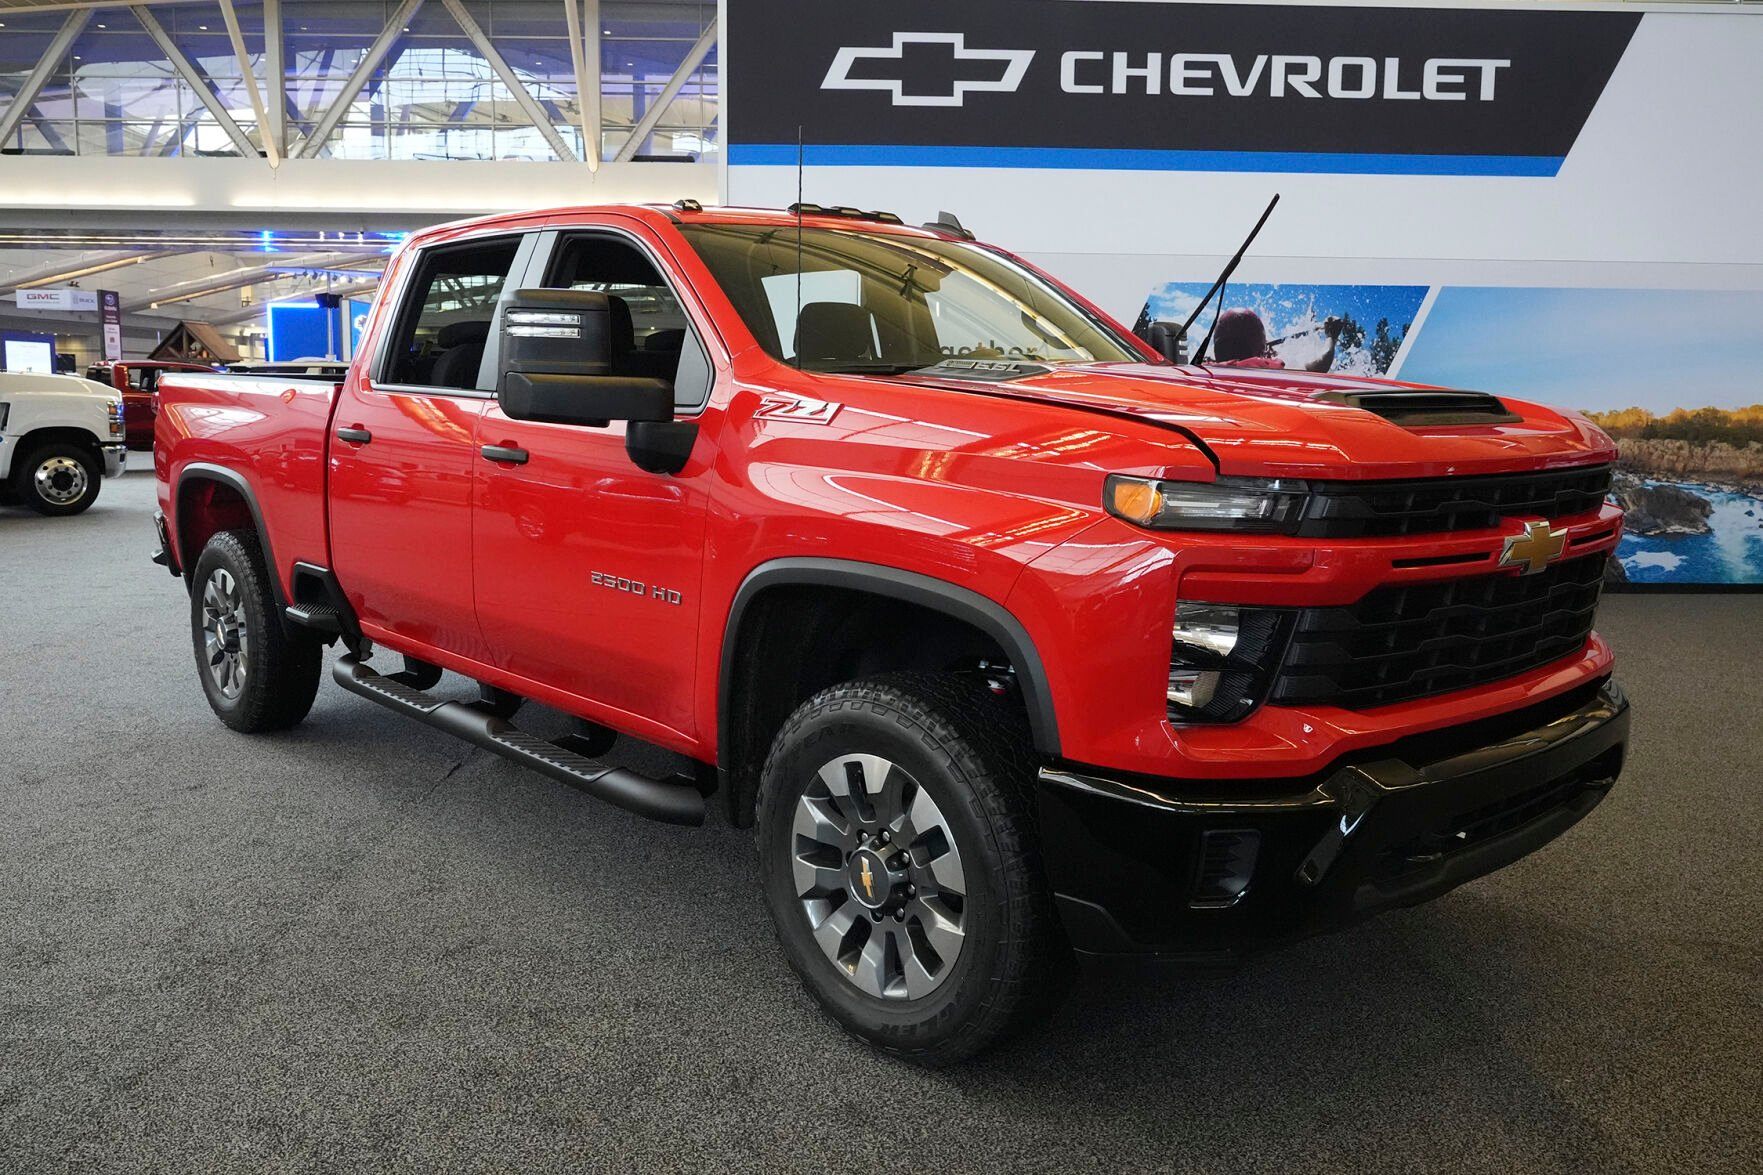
<point x="1185" y="870"/>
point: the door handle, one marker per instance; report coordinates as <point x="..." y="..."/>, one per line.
<point x="504" y="454"/>
<point x="355" y="436"/>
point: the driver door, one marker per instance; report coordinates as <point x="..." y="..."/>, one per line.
<point x="587" y="568"/>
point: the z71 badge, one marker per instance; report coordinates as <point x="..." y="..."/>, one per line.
<point x="799" y="409"/>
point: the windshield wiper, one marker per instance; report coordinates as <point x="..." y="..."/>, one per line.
<point x="872" y="368"/>
<point x="964" y="367"/>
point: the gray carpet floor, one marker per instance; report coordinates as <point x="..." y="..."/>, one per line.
<point x="364" y="945"/>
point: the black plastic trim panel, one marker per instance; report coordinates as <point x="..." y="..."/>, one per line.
<point x="938" y="595"/>
<point x="201" y="471"/>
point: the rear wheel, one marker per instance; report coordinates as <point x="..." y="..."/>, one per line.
<point x="258" y="676"/>
<point x="900" y="864"/>
<point x="57" y="478"/>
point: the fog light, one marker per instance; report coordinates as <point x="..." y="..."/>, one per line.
<point x="1207" y="628"/>
<point x="1220" y="656"/>
<point x="1192" y="688"/>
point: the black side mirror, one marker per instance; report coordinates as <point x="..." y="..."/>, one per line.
<point x="592" y="401"/>
<point x="1166" y="339"/>
<point x="557" y="367"/>
<point x="557" y="332"/>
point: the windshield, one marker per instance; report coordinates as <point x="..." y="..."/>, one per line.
<point x="877" y="302"/>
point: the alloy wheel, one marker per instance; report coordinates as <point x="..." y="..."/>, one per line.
<point x="61" y="481"/>
<point x="879" y="877"/>
<point x="225" y="640"/>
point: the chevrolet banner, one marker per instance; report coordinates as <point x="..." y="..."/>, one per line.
<point x="1167" y="87"/>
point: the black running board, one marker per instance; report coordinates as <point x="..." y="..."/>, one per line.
<point x="670" y="803"/>
<point x="318" y="617"/>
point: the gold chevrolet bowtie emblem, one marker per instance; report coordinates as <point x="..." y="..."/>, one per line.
<point x="868" y="880"/>
<point x="1534" y="548"/>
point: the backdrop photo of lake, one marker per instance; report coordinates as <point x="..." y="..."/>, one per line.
<point x="1727" y="548"/>
<point x="1672" y="375"/>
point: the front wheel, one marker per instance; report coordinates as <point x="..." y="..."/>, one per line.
<point x="258" y="676"/>
<point x="58" y="478"/>
<point x="900" y="864"/>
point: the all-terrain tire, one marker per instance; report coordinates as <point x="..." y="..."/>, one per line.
<point x="971" y="753"/>
<point x="258" y="675"/>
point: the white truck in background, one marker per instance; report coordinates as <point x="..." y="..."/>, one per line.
<point x="60" y="436"/>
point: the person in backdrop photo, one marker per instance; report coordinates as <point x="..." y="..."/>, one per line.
<point x="1240" y="340"/>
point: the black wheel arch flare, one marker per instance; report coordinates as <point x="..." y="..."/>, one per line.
<point x="952" y="600"/>
<point x="202" y="471"/>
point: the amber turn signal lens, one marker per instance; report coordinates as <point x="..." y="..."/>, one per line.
<point x="1139" y="501"/>
<point x="1240" y="504"/>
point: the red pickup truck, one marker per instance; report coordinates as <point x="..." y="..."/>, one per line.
<point x="138" y="381"/>
<point x="1009" y="636"/>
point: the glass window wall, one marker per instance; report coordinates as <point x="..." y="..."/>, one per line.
<point x="432" y="96"/>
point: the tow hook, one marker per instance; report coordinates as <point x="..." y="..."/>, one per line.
<point x="1355" y="792"/>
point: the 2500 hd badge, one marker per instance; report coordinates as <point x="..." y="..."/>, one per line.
<point x="635" y="587"/>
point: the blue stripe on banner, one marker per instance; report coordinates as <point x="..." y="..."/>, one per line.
<point x="1109" y="159"/>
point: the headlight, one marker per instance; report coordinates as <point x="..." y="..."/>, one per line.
<point x="115" y="414"/>
<point x="1240" y="504"/>
<point x="1220" y="659"/>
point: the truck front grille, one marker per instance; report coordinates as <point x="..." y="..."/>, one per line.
<point x="1340" y="509"/>
<point x="1401" y="643"/>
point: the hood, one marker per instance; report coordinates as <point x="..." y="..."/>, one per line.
<point x="1256" y="422"/>
<point x="25" y="383"/>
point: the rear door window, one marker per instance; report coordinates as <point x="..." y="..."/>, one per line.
<point x="445" y="320"/>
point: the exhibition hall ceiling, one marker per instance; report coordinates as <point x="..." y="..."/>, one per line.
<point x="208" y="285"/>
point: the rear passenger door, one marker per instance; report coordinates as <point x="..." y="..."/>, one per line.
<point x="403" y="457"/>
<point x="587" y="567"/>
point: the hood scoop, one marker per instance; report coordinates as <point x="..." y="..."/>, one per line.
<point x="1425" y="409"/>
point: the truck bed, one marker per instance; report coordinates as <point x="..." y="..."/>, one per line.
<point x="268" y="430"/>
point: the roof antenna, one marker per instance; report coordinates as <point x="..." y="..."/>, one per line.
<point x="949" y="224"/>
<point x="1224" y="277"/>
<point x="798" y="339"/>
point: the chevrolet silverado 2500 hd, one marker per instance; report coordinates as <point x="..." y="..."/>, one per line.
<point x="1008" y="636"/>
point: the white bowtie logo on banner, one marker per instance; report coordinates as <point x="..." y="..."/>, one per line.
<point x="838" y="75"/>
